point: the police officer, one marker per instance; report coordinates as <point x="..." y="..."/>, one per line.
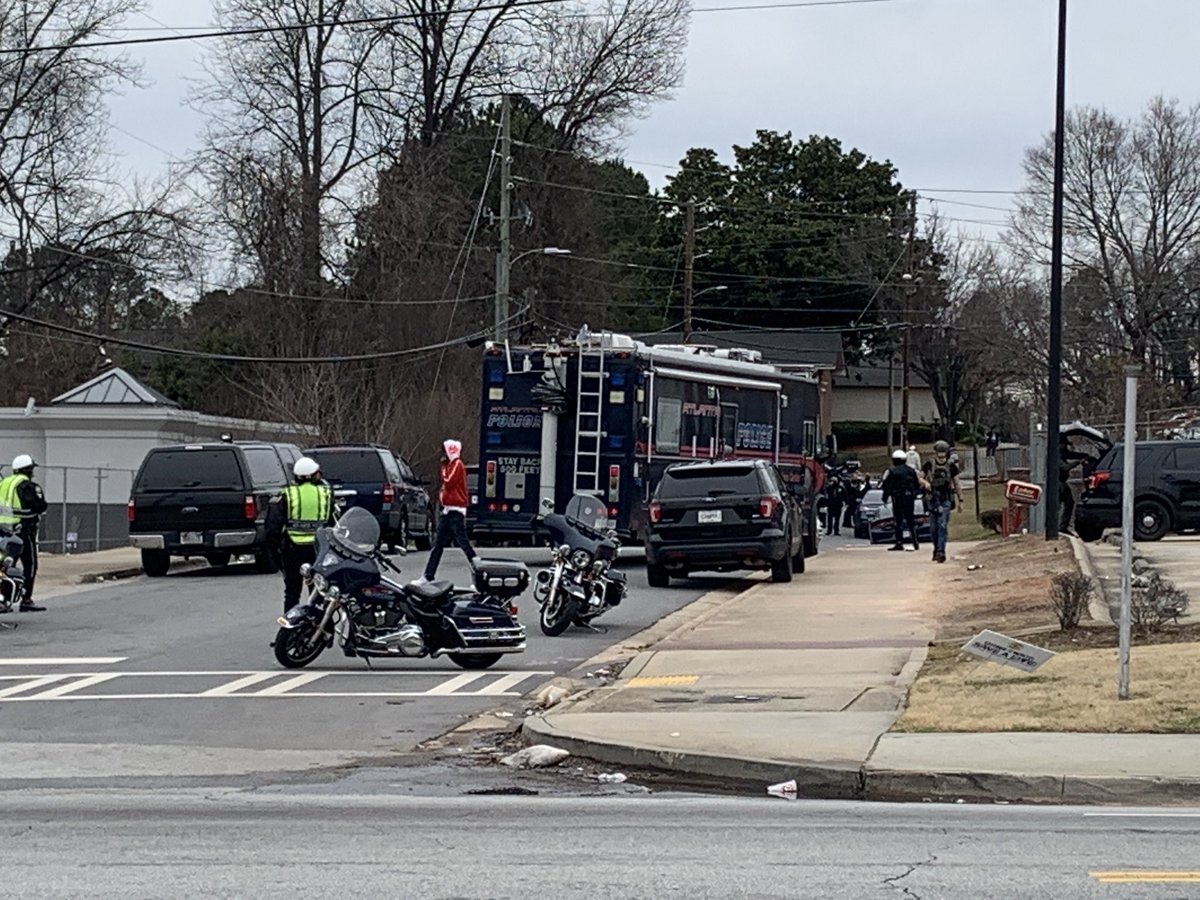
<point x="901" y="485"/>
<point x="941" y="475"/>
<point x="835" y="495"/>
<point x="292" y="522"/>
<point x="21" y="506"/>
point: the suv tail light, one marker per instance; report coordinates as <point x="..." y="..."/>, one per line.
<point x="389" y="492"/>
<point x="767" y="506"/>
<point x="1096" y="479"/>
<point x="250" y="508"/>
<point x="656" y="512"/>
<point x="131" y="510"/>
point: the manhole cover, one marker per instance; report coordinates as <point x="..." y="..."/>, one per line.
<point x="736" y="698"/>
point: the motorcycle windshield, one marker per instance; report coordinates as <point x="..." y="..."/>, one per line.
<point x="588" y="511"/>
<point x="357" y="531"/>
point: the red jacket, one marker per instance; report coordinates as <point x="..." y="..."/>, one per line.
<point x="454" y="484"/>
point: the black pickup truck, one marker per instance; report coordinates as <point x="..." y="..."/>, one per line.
<point x="207" y="500"/>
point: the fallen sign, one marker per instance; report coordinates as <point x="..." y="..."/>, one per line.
<point x="999" y="648"/>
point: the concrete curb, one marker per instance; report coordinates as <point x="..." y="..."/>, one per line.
<point x="1099" y="609"/>
<point x="818" y="780"/>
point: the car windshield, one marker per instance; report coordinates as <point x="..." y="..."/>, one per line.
<point x="349" y="466"/>
<point x="357" y="531"/>
<point x="709" y="481"/>
<point x="586" y="510"/>
<point x="872" y="497"/>
<point x="173" y="470"/>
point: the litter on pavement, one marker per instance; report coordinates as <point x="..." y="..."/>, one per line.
<point x="612" y="778"/>
<point x="785" y="789"/>
<point x="539" y="756"/>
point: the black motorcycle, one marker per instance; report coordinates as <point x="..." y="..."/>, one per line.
<point x="12" y="577"/>
<point x="581" y="583"/>
<point x="353" y="602"/>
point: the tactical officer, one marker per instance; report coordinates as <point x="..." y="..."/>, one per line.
<point x="901" y="485"/>
<point x="941" y="473"/>
<point x="835" y="496"/>
<point x="21" y="506"/>
<point x="293" y="520"/>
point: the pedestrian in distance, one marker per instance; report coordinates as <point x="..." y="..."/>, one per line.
<point x="992" y="441"/>
<point x="452" y="524"/>
<point x="901" y="485"/>
<point x="913" y="459"/>
<point x="21" y="506"/>
<point x="944" y="490"/>
<point x="835" y="497"/>
<point x="292" y="522"/>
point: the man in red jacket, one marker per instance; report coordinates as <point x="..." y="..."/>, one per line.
<point x="452" y="525"/>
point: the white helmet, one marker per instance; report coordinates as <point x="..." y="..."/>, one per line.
<point x="899" y="455"/>
<point x="24" y="461"/>
<point x="305" y="467"/>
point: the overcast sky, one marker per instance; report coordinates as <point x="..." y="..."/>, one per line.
<point x="951" y="91"/>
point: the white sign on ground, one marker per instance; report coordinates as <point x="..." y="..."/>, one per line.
<point x="999" y="648"/>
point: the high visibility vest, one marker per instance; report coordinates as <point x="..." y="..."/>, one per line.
<point x="308" y="506"/>
<point x="11" y="509"/>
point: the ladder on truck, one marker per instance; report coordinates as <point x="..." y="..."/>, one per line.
<point x="589" y="418"/>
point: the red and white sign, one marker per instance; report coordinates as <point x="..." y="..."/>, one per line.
<point x="1023" y="492"/>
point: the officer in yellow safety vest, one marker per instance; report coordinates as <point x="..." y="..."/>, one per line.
<point x="292" y="523"/>
<point x="21" y="507"/>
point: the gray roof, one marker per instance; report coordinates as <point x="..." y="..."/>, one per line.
<point x="113" y="387"/>
<point x="781" y="347"/>
<point x="876" y="376"/>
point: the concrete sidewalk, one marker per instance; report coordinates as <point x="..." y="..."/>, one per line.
<point x="803" y="681"/>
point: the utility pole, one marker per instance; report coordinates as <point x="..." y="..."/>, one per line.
<point x="503" y="255"/>
<point x="891" y="399"/>
<point x="689" y="262"/>
<point x="1054" y="391"/>
<point x="909" y="287"/>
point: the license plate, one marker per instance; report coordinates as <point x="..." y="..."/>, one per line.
<point x="708" y="516"/>
<point x="191" y="537"/>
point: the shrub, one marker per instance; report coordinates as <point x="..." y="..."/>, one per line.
<point x="1156" y="601"/>
<point x="1069" y="595"/>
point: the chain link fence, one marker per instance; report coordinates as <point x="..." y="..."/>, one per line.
<point x="87" y="508"/>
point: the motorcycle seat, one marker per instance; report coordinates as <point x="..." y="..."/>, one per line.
<point x="431" y="592"/>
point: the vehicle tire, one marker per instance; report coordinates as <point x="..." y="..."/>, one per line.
<point x="557" y="615"/>
<point x="1151" y="521"/>
<point x="156" y="563"/>
<point x="264" y="563"/>
<point x="292" y="647"/>
<point x="219" y="559"/>
<point x="424" y="540"/>
<point x="812" y="540"/>
<point x="657" y="576"/>
<point x="475" y="660"/>
<point x="781" y="572"/>
<point x="1088" y="532"/>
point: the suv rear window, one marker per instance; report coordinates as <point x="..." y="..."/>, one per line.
<point x="350" y="466"/>
<point x="702" y="481"/>
<point x="172" y="470"/>
<point x="265" y="467"/>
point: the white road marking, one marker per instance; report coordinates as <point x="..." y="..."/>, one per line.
<point x="502" y="685"/>
<point x="63" y="690"/>
<point x="226" y="689"/>
<point x="449" y="687"/>
<point x="1142" y="815"/>
<point x="63" y="661"/>
<point x="26" y="684"/>
<point x="278" y="690"/>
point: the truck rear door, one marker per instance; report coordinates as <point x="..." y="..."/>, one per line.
<point x="193" y="489"/>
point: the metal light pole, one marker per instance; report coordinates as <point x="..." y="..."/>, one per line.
<point x="1054" y="387"/>
<point x="1127" y="526"/>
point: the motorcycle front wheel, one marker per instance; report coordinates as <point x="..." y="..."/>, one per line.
<point x="295" y="648"/>
<point x="557" y="615"/>
<point x="475" y="660"/>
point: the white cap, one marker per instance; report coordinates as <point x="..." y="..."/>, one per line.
<point x="305" y="467"/>
<point x="24" y="461"/>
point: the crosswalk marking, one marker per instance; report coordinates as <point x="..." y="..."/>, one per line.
<point x="278" y="690"/>
<point x="63" y="661"/>
<point x="232" y="687"/>
<point x="64" y="689"/>
<point x="449" y="687"/>
<point x="25" y="684"/>
<point x="503" y="684"/>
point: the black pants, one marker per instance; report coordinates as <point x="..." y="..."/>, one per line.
<point x="833" y="518"/>
<point x="1066" y="505"/>
<point x="452" y="526"/>
<point x="294" y="556"/>
<point x="29" y="556"/>
<point x="906" y="517"/>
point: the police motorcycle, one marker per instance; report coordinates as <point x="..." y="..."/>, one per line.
<point x="352" y="602"/>
<point x="12" y="577"/>
<point x="581" y="582"/>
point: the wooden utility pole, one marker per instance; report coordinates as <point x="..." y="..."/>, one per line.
<point x="689" y="262"/>
<point x="909" y="287"/>
<point x="504" y="253"/>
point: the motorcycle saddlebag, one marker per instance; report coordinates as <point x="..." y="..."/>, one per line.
<point x="501" y="577"/>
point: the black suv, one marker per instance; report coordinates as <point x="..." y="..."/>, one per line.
<point x="1166" y="491"/>
<point x="384" y="484"/>
<point x="207" y="500"/>
<point x="723" y="516"/>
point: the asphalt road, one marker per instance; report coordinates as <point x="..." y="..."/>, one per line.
<point x="175" y="676"/>
<point x="229" y="844"/>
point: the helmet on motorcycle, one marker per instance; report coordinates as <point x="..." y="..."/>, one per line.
<point x="899" y="455"/>
<point x="24" y="461"/>
<point x="941" y="447"/>
<point x="306" y="467"/>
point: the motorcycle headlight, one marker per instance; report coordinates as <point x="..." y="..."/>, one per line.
<point x="320" y="582"/>
<point x="581" y="559"/>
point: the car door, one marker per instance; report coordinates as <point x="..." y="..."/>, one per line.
<point x="415" y="498"/>
<point x="794" y="517"/>
<point x="1180" y="478"/>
